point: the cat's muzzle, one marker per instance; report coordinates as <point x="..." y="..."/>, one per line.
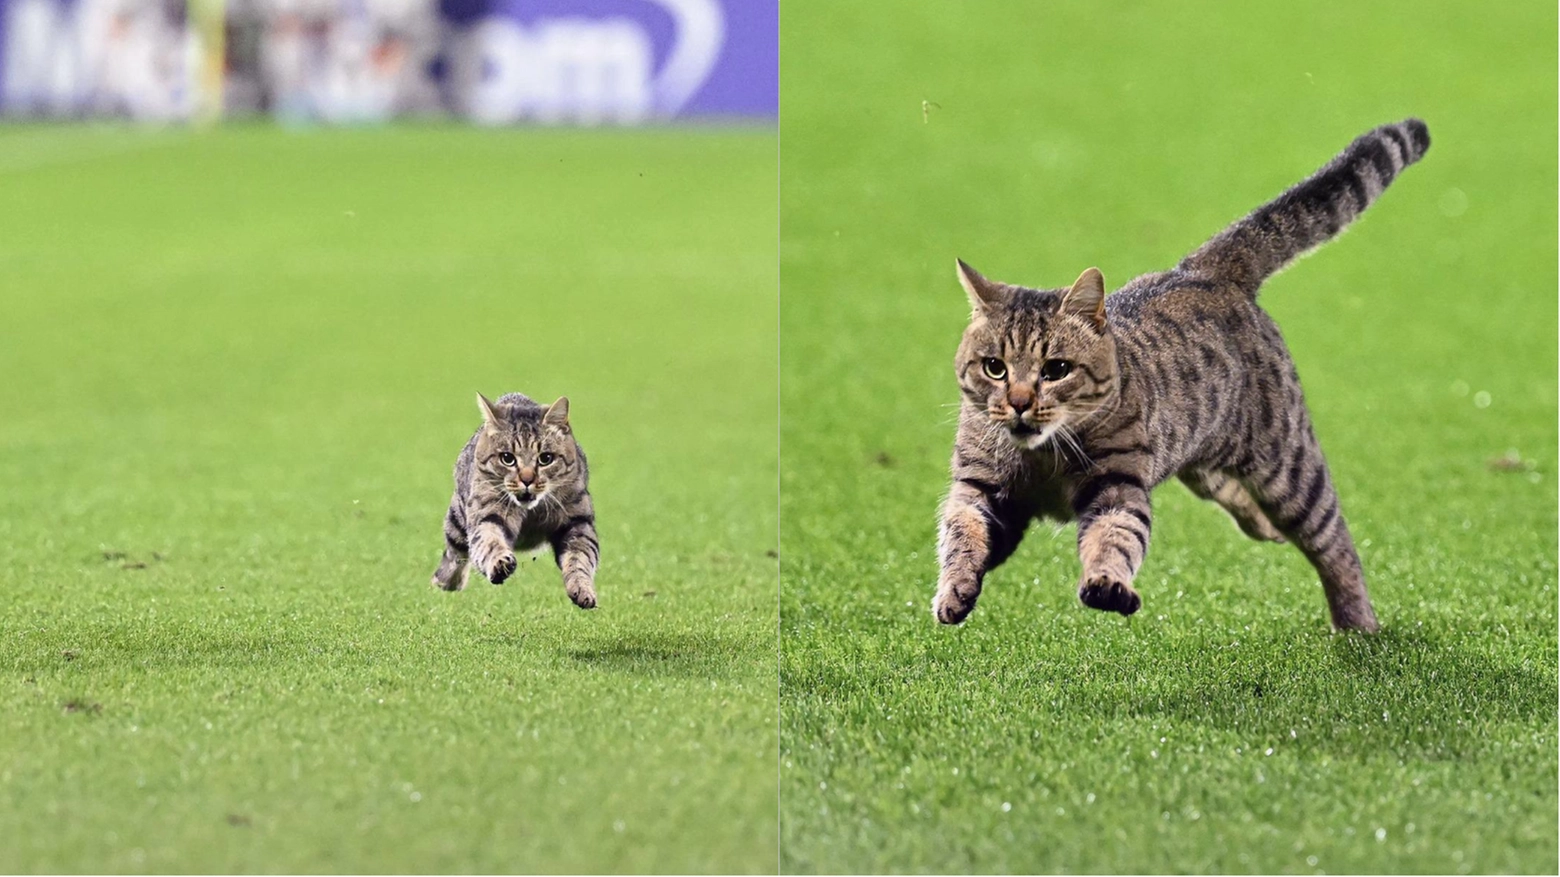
<point x="1027" y="435"/>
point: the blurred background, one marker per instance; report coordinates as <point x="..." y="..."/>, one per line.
<point x="494" y="62"/>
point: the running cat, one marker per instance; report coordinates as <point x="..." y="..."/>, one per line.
<point x="1076" y="405"/>
<point x="519" y="482"/>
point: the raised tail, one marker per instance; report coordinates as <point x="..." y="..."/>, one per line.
<point x="1313" y="211"/>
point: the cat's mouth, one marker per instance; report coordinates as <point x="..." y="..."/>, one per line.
<point x="1028" y="435"/>
<point x="525" y="498"/>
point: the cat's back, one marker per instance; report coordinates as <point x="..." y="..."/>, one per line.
<point x="1165" y="297"/>
<point x="1196" y="358"/>
<point x="1170" y="316"/>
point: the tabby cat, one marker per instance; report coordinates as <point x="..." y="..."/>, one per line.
<point x="1076" y="405"/>
<point x="520" y="482"/>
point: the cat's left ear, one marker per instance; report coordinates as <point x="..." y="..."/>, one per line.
<point x="982" y="292"/>
<point x="558" y="413"/>
<point x="489" y="416"/>
<point x="1087" y="297"/>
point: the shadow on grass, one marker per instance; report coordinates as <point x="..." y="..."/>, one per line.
<point x="1351" y="695"/>
<point x="1397" y="692"/>
<point x="652" y="653"/>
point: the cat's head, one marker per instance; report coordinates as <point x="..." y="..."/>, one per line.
<point x="528" y="451"/>
<point x="1037" y="360"/>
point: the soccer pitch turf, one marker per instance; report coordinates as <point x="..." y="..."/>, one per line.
<point x="1223" y="728"/>
<point x="238" y="367"/>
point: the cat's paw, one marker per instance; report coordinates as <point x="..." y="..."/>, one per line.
<point x="950" y="608"/>
<point x="502" y="568"/>
<point x="1105" y="593"/>
<point x="583" y="595"/>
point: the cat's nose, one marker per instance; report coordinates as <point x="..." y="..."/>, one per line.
<point x="527" y="475"/>
<point x="1021" y="398"/>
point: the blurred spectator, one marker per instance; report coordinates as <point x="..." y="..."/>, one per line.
<point x="350" y="61"/>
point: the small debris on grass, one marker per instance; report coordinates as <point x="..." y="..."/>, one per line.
<point x="648" y="594"/>
<point x="772" y="553"/>
<point x="125" y="561"/>
<point x="926" y="110"/>
<point x="238" y="820"/>
<point x="68" y="655"/>
<point x="884" y="459"/>
<point x="77" y="705"/>
<point x="1511" y="462"/>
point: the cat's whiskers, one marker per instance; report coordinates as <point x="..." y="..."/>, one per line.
<point x="552" y="497"/>
<point x="1070" y="438"/>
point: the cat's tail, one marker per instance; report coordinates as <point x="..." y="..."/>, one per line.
<point x="1313" y="211"/>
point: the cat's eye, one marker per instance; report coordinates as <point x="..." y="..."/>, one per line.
<point x="994" y="368"/>
<point x="506" y="458"/>
<point x="1055" y="369"/>
<point x="545" y="458"/>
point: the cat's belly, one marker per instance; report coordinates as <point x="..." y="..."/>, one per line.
<point x="536" y="529"/>
<point x="1050" y="498"/>
<point x="529" y="542"/>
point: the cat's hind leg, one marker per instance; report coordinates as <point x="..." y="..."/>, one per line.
<point x="1234" y="498"/>
<point x="1295" y="491"/>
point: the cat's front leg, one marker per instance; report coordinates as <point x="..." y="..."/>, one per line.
<point x="964" y="551"/>
<point x="577" y="551"/>
<point x="453" y="565"/>
<point x="492" y="543"/>
<point x="1114" y="523"/>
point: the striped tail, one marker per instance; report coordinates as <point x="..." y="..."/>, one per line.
<point x="1312" y="212"/>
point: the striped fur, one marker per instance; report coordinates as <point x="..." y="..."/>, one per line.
<point x="521" y="481"/>
<point x="1311" y="213"/>
<point x="1075" y="405"/>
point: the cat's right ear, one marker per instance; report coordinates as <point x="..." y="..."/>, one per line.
<point x="489" y="416"/>
<point x="1086" y="298"/>
<point x="558" y="413"/>
<point x="983" y="294"/>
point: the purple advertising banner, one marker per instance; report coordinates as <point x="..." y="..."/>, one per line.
<point x="496" y="62"/>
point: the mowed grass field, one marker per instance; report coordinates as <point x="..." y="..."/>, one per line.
<point x="1224" y="727"/>
<point x="238" y="366"/>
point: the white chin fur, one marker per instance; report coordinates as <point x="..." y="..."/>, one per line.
<point x="1035" y="440"/>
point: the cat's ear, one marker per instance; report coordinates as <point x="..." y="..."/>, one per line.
<point x="489" y="415"/>
<point x="558" y="413"/>
<point x="1087" y="297"/>
<point x="982" y="292"/>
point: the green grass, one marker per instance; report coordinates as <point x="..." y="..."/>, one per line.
<point x="238" y="367"/>
<point x="1223" y="728"/>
